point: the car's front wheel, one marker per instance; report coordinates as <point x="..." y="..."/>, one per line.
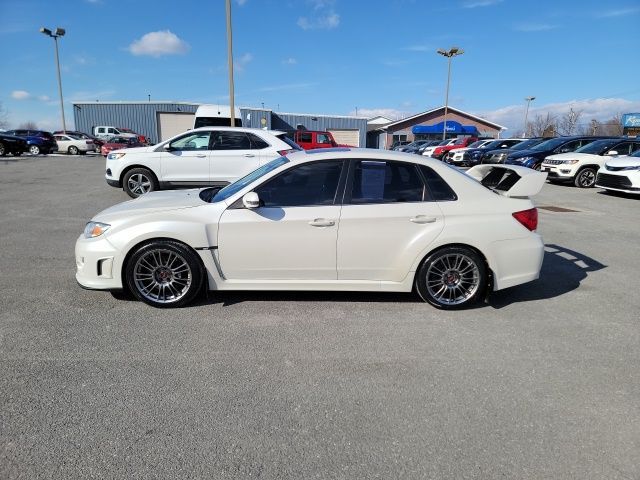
<point x="586" y="178"/>
<point x="451" y="278"/>
<point x="34" y="150"/>
<point x="73" y="150"/>
<point x="3" y="151"/>
<point x="139" y="181"/>
<point x="164" y="274"/>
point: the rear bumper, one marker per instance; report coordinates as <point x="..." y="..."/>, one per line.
<point x="516" y="261"/>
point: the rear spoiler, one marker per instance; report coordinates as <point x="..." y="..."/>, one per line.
<point x="509" y="180"/>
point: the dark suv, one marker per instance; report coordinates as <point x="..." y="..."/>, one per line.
<point x="534" y="156"/>
<point x="500" y="155"/>
<point x="12" y="144"/>
<point x="38" y="141"/>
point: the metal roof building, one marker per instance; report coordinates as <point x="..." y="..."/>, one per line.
<point x="161" y="120"/>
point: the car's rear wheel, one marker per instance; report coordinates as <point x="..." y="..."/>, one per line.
<point x="586" y="178"/>
<point x="73" y="150"/>
<point x="34" y="150"/>
<point x="139" y="181"/>
<point x="452" y="278"/>
<point x="3" y="151"/>
<point x="164" y="274"/>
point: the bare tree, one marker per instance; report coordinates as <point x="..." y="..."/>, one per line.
<point x="29" y="125"/>
<point x="568" y="123"/>
<point x="613" y="126"/>
<point x="542" y="126"/>
<point x="4" y="117"/>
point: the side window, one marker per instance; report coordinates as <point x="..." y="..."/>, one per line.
<point x="256" y="142"/>
<point x="386" y="182"/>
<point x="305" y="137"/>
<point x="101" y="130"/>
<point x="635" y="147"/>
<point x="323" y="138"/>
<point x="230" y="141"/>
<point x="306" y="185"/>
<point x="439" y="190"/>
<point x="571" y="146"/>
<point x="112" y="130"/>
<point x="622" y="148"/>
<point x="190" y="142"/>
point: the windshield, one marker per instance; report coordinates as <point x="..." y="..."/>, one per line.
<point x="238" y="185"/>
<point x="443" y="142"/>
<point x="477" y="144"/>
<point x="527" y="144"/>
<point x="550" y="144"/>
<point x="598" y="147"/>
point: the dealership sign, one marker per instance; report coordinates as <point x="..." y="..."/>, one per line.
<point x="631" y="120"/>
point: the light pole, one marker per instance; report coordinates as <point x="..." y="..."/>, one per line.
<point x="59" y="32"/>
<point x="452" y="52"/>
<point x="526" y="114"/>
<point x="230" y="55"/>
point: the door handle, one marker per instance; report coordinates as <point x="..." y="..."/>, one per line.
<point x="250" y="155"/>
<point x="322" y="222"/>
<point x="201" y="155"/>
<point x="422" y="219"/>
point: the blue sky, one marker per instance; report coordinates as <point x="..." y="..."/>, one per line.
<point x="327" y="56"/>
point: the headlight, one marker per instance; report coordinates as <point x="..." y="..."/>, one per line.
<point x="570" y="162"/>
<point x="115" y="156"/>
<point x="95" y="229"/>
<point x="523" y="159"/>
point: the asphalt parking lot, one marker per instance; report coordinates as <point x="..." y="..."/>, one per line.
<point x="543" y="382"/>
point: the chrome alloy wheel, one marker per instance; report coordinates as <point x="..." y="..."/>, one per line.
<point x="139" y="184"/>
<point x="162" y="276"/>
<point x="452" y="279"/>
<point x="586" y="178"/>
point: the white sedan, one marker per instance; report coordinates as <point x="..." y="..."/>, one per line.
<point x="621" y="174"/>
<point x="74" y="145"/>
<point x="339" y="219"/>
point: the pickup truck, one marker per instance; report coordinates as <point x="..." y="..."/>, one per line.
<point x="310" y="139"/>
<point x="107" y="131"/>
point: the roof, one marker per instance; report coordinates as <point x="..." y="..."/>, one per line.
<point x="449" y="108"/>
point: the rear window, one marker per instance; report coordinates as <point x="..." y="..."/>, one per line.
<point x="215" y="122"/>
<point x="285" y="138"/>
<point x="439" y="189"/>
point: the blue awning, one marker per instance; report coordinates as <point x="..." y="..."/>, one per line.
<point x="453" y="127"/>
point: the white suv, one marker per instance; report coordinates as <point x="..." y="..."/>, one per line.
<point x="208" y="156"/>
<point x="581" y="167"/>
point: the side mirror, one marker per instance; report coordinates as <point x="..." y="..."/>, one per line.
<point x="167" y="147"/>
<point x="611" y="153"/>
<point x="251" y="200"/>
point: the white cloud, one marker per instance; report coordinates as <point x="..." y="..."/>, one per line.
<point x="480" y="3"/>
<point x="600" y="109"/>
<point x="534" y="27"/>
<point x="241" y="2"/>
<point x="324" y="16"/>
<point x="156" y="44"/>
<point x="44" y="98"/>
<point x="20" y="95"/>
<point x="240" y="63"/>
<point x="419" y="48"/>
<point x="289" y="61"/>
<point x="87" y="96"/>
<point x="392" y="113"/>
<point x="618" y="12"/>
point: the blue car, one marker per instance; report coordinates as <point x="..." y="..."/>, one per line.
<point x="534" y="156"/>
<point x="38" y="141"/>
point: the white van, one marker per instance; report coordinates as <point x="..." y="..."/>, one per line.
<point x="216" y="116"/>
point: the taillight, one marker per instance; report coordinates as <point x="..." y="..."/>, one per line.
<point x="528" y="218"/>
<point x="283" y="153"/>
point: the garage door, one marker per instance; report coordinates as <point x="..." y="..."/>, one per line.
<point x="171" y="124"/>
<point x="347" y="137"/>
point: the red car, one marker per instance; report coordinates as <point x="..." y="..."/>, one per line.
<point x="141" y="138"/>
<point x="462" y="142"/>
<point x="310" y="139"/>
<point x="116" y="143"/>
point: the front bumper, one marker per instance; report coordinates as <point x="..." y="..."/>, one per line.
<point x="629" y="182"/>
<point x="98" y="264"/>
<point x="558" y="172"/>
<point x="113" y="182"/>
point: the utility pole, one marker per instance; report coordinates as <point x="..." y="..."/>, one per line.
<point x="59" y="32"/>
<point x="452" y="52"/>
<point x="230" y="55"/>
<point x="526" y="115"/>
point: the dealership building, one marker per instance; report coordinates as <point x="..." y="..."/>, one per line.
<point x="159" y="121"/>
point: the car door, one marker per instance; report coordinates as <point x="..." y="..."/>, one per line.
<point x="186" y="160"/>
<point x="231" y="156"/>
<point x="387" y="219"/>
<point x="292" y="235"/>
<point x="63" y="142"/>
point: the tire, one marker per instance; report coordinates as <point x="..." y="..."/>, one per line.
<point x="73" y="150"/>
<point x="452" y="278"/>
<point x="585" y="178"/>
<point x="34" y="149"/>
<point x="164" y="274"/>
<point x="139" y="181"/>
<point x="537" y="167"/>
<point x="16" y="154"/>
<point x="3" y="151"/>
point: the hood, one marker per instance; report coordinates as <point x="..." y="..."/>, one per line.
<point x="152" y="202"/>
<point x="118" y="146"/>
<point x="526" y="153"/>
<point x="623" y="162"/>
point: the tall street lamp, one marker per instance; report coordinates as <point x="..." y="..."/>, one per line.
<point x="526" y="114"/>
<point x="452" y="52"/>
<point x="230" y="55"/>
<point x="59" y="32"/>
